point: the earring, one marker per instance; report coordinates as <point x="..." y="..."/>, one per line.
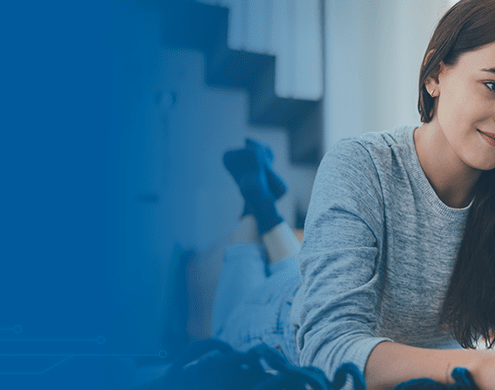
<point x="432" y="92"/>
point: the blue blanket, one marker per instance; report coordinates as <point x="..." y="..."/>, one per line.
<point x="214" y="365"/>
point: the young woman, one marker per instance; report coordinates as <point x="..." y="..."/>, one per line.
<point x="397" y="268"/>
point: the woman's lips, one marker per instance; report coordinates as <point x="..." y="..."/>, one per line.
<point x="488" y="137"/>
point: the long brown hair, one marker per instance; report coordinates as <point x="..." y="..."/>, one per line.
<point x="469" y="306"/>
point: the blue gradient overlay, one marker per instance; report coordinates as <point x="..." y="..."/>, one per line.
<point x="59" y="325"/>
<point x="111" y="181"/>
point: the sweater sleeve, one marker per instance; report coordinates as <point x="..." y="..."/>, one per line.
<point x="339" y="262"/>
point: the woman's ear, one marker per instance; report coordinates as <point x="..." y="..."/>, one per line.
<point x="432" y="84"/>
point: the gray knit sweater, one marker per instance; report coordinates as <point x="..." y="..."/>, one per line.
<point x="379" y="248"/>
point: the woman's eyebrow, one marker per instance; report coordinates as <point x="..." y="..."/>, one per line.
<point x="491" y="70"/>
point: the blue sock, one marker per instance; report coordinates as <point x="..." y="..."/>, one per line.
<point x="265" y="157"/>
<point x="250" y="176"/>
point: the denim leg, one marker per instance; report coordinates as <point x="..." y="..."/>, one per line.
<point x="288" y="266"/>
<point x="252" y="308"/>
<point x="243" y="272"/>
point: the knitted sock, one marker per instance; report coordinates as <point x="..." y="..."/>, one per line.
<point x="251" y="144"/>
<point x="265" y="157"/>
<point x="251" y="178"/>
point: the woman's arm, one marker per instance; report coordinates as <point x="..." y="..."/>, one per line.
<point x="337" y="304"/>
<point x="390" y="364"/>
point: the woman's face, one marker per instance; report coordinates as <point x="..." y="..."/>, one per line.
<point x="465" y="107"/>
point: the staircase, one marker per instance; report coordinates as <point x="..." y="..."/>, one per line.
<point x="203" y="27"/>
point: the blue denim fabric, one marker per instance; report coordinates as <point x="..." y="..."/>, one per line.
<point x="252" y="308"/>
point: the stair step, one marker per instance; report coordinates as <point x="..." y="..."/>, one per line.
<point x="306" y="135"/>
<point x="269" y="109"/>
<point x="236" y="68"/>
<point x="203" y="27"/>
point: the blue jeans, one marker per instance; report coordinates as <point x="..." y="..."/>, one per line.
<point x="253" y="301"/>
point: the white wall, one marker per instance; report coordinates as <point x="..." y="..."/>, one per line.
<point x="374" y="50"/>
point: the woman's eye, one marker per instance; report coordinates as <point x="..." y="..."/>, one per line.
<point x="491" y="86"/>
